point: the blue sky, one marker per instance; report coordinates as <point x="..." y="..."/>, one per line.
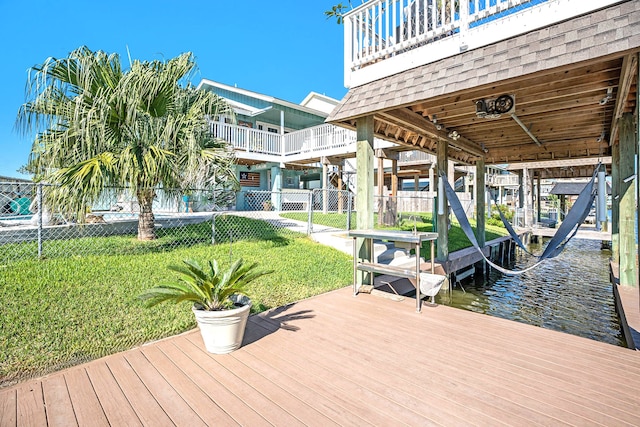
<point x="284" y="49"/>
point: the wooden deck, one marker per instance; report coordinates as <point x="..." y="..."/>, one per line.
<point x="336" y="359"/>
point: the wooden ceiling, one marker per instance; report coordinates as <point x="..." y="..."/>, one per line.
<point x="562" y="108"/>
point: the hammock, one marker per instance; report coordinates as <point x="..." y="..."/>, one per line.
<point x="556" y="245"/>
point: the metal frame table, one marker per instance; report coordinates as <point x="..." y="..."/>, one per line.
<point x="414" y="241"/>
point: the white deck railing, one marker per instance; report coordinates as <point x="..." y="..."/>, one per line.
<point x="248" y="139"/>
<point x="502" y="179"/>
<point x="318" y="138"/>
<point x="415" y="156"/>
<point x="312" y="141"/>
<point x="379" y="32"/>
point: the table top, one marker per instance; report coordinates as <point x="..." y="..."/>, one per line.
<point x="394" y="235"/>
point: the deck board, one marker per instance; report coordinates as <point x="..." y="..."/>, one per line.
<point x="204" y="377"/>
<point x="163" y="393"/>
<point x="88" y="409"/>
<point x="142" y="401"/>
<point x="336" y="359"/>
<point x="186" y="387"/>
<point x="114" y="403"/>
<point x="58" y="402"/>
<point x="8" y="408"/>
<point x="30" y="405"/>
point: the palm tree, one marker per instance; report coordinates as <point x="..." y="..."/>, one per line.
<point x="98" y="127"/>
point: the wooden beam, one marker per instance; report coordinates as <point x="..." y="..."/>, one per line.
<point x="364" y="192"/>
<point x="442" y="220"/>
<point x="615" y="203"/>
<point x="628" y="143"/>
<point x="480" y="203"/>
<point x="380" y="185"/>
<point x="387" y="153"/>
<point x="548" y="164"/>
<point x="627" y="75"/>
<point x="417" y="123"/>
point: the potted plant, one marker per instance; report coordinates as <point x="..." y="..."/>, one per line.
<point x="220" y="303"/>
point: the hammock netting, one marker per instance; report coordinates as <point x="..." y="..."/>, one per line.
<point x="569" y="227"/>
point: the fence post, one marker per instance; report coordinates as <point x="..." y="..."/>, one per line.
<point x="40" y="208"/>
<point x="348" y="210"/>
<point x="213" y="228"/>
<point x="310" y="213"/>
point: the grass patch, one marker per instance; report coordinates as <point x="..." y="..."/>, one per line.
<point x="422" y="222"/>
<point x="63" y="311"/>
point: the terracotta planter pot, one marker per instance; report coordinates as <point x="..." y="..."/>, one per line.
<point x="222" y="331"/>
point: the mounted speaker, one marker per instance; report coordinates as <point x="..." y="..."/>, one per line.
<point x="504" y="104"/>
<point x="492" y="108"/>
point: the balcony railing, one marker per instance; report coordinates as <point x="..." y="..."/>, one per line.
<point x="248" y="139"/>
<point x="312" y="142"/>
<point x="415" y="157"/>
<point x="384" y="37"/>
<point x="318" y="138"/>
<point x="502" y="180"/>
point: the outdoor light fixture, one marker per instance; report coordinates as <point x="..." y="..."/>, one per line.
<point x="492" y="108"/>
<point x="608" y="97"/>
<point x="454" y="135"/>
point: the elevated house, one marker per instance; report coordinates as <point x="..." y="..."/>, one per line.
<point x="285" y="147"/>
<point x="534" y="84"/>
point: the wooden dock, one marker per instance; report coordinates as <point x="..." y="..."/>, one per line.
<point x="336" y="359"/>
<point x="588" y="233"/>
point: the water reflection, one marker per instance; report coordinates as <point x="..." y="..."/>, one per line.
<point x="570" y="293"/>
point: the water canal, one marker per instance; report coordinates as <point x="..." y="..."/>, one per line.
<point x="570" y="293"/>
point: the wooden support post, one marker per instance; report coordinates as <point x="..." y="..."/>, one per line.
<point x="340" y="193"/>
<point x="480" y="203"/>
<point x="538" y="198"/>
<point x="615" y="203"/>
<point x="628" y="143"/>
<point x="637" y="120"/>
<point x="393" y="196"/>
<point x="364" y="189"/>
<point x="416" y="182"/>
<point x="380" y="199"/>
<point x="394" y="177"/>
<point x="521" y="189"/>
<point x="432" y="183"/>
<point x="442" y="219"/>
<point x="526" y="206"/>
<point x="451" y="173"/>
<point x="325" y="193"/>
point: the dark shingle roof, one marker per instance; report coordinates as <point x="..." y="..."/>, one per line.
<point x="571" y="188"/>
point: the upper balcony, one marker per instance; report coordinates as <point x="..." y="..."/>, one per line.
<point x="386" y="37"/>
<point x="301" y="146"/>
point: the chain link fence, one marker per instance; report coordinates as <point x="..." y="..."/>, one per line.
<point x="29" y="230"/>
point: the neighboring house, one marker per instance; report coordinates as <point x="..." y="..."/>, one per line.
<point x="268" y="135"/>
<point x="285" y="147"/>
